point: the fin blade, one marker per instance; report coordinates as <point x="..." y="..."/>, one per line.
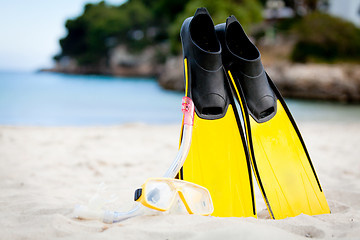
<point x="289" y="181"/>
<point x="217" y="161"/>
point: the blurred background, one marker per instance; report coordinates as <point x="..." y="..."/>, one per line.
<point x="83" y="62"/>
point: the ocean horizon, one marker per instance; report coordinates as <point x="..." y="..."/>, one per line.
<point x="55" y="99"/>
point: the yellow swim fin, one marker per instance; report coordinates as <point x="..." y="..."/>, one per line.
<point x="280" y="160"/>
<point x="218" y="158"/>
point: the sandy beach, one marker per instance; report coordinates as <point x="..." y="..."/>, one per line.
<point x="46" y="171"/>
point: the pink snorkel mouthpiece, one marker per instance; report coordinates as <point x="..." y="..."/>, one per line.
<point x="188" y="110"/>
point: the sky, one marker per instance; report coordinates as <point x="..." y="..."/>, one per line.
<point x="30" y="31"/>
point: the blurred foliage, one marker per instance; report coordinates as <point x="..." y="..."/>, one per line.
<point x="136" y="23"/>
<point x="321" y="37"/>
<point x="141" y="23"/>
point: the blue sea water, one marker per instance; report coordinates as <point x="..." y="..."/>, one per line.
<point x="53" y="99"/>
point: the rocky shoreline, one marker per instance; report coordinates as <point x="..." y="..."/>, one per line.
<point x="336" y="82"/>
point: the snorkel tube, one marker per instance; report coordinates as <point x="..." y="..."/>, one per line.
<point x="94" y="209"/>
<point x="188" y="122"/>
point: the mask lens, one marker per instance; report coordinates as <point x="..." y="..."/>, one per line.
<point x="159" y="194"/>
<point x="198" y="199"/>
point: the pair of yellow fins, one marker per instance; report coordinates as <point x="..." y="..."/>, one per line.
<point x="242" y="125"/>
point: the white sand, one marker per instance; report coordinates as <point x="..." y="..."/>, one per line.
<point x="45" y="171"/>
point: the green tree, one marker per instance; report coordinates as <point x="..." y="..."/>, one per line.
<point x="140" y="23"/>
<point x="322" y="37"/>
<point x="100" y="27"/>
